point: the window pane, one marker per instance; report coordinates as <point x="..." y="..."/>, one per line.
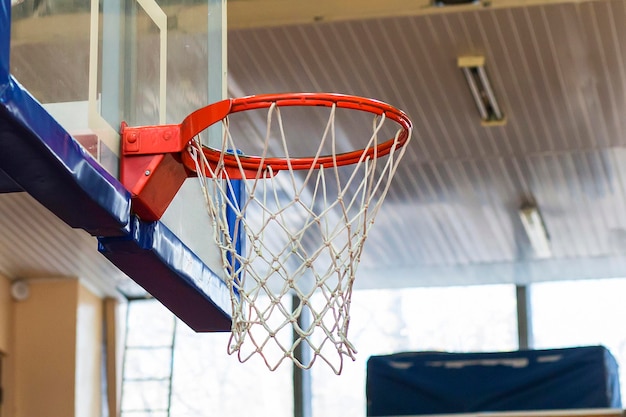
<point x="145" y="395"/>
<point x="456" y="319"/>
<point x="206" y="381"/>
<point x="582" y="313"/>
<point x="209" y="382"/>
<point x="149" y="324"/>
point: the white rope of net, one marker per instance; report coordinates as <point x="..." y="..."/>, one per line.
<point x="304" y="230"/>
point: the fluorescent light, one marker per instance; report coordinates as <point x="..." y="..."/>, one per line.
<point x="480" y="105"/>
<point x="536" y="231"/>
<point x="454" y="2"/>
<point x="491" y="98"/>
<point x="473" y="67"/>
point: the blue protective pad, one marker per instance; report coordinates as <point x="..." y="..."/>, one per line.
<point x="446" y="383"/>
<point x="43" y="160"/>
<point x="154" y="258"/>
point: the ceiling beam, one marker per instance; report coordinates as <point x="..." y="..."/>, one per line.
<point x="258" y="13"/>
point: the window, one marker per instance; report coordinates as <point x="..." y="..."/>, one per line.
<point x="582" y="313"/>
<point x="205" y="380"/>
<point x="456" y="319"/>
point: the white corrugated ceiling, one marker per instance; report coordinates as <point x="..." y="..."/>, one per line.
<point x="558" y="70"/>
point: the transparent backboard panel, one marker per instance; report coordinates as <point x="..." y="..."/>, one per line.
<point x="94" y="64"/>
<point x="141" y="61"/>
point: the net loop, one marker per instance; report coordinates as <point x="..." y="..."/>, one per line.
<point x="291" y="235"/>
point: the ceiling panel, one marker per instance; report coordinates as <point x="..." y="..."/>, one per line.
<point x="35" y="244"/>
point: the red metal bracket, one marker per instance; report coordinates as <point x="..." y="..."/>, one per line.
<point x="151" y="165"/>
<point x="146" y="140"/>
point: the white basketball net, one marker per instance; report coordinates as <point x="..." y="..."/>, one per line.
<point x="304" y="233"/>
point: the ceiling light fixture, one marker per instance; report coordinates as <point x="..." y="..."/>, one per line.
<point x="535" y="230"/>
<point x="473" y="68"/>
<point x="442" y="3"/>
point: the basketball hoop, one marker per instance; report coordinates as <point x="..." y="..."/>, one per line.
<point x="280" y="260"/>
<point x="289" y="227"/>
<point x="251" y="164"/>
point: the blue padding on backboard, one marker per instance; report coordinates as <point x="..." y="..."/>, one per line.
<point x="39" y="156"/>
<point x="45" y="161"/>
<point x="447" y="383"/>
<point x="7" y="185"/>
<point x="158" y="261"/>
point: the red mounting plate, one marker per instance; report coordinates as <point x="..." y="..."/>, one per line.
<point x="150" y="153"/>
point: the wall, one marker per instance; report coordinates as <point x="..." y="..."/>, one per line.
<point x="115" y="326"/>
<point x="52" y="342"/>
<point x="89" y="331"/>
<point x="6" y="315"/>
<point x="44" y="349"/>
